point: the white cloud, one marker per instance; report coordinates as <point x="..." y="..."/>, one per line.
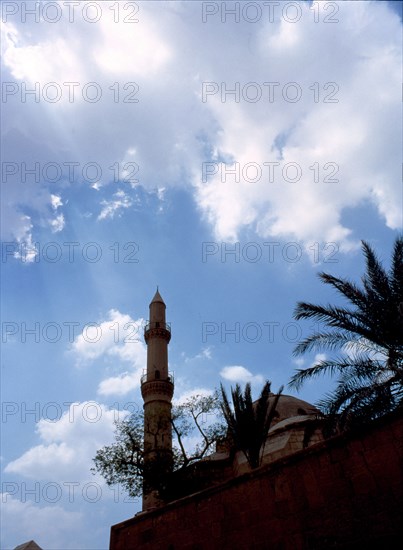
<point x="142" y="48"/>
<point x="26" y="206"/>
<point x="120" y="202"/>
<point x="311" y="132"/>
<point x="56" y="201"/>
<point x="318" y="358"/>
<point x="26" y="249"/>
<point x="22" y="521"/>
<point x="57" y="224"/>
<point x="237" y="373"/>
<point x="161" y="193"/>
<point x="25" y="55"/>
<point x="57" y="471"/>
<point x="118" y="336"/>
<point x="172" y="132"/>
<point x="68" y="444"/>
<point x="347" y="133"/>
<point x="204" y="354"/>
<point x="45" y="456"/>
<point x="120" y="385"/>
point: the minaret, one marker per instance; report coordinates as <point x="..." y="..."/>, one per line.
<point x="157" y="390"/>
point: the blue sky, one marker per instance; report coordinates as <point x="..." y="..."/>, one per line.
<point x="315" y="98"/>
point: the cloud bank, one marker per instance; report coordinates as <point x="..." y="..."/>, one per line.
<point x="304" y="140"/>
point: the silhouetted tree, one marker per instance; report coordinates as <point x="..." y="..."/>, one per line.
<point x="191" y="419"/>
<point x="197" y="418"/>
<point x="123" y="462"/>
<point x="249" y="423"/>
<point x="369" y="334"/>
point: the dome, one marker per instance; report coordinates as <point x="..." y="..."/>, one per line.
<point x="289" y="406"/>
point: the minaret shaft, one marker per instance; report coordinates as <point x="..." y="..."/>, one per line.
<point x="157" y="391"/>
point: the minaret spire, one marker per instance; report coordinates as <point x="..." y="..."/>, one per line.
<point x="157" y="297"/>
<point x="157" y="390"/>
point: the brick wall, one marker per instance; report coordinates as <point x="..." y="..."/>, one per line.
<point x="343" y="493"/>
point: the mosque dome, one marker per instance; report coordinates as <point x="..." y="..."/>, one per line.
<point x="289" y="406"/>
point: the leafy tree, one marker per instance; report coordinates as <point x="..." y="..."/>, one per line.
<point x="199" y="418"/>
<point x="190" y="419"/>
<point x="248" y="422"/>
<point x="123" y="462"/>
<point x="369" y="335"/>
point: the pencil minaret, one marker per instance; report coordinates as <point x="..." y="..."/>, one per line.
<point x="157" y="390"/>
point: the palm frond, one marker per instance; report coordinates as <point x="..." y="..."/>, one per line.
<point x="370" y="333"/>
<point x="318" y="369"/>
<point x="323" y="341"/>
<point x="396" y="275"/>
<point x="248" y="422"/>
<point x="376" y="278"/>
<point x="344" y="319"/>
<point x="347" y="288"/>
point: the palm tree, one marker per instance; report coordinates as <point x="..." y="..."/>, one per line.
<point x="248" y="422"/>
<point x="369" y="334"/>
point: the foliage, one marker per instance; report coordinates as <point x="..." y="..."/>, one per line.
<point x="369" y="335"/>
<point x="122" y="462"/>
<point x="191" y="419"/>
<point x="249" y="423"/>
<point x="197" y="419"/>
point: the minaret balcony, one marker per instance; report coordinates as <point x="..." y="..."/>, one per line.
<point x="157" y="389"/>
<point x="158" y="329"/>
<point x="144" y="378"/>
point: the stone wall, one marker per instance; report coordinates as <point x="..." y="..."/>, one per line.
<point x="345" y="493"/>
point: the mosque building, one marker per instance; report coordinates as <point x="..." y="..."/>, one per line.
<point x="308" y="493"/>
